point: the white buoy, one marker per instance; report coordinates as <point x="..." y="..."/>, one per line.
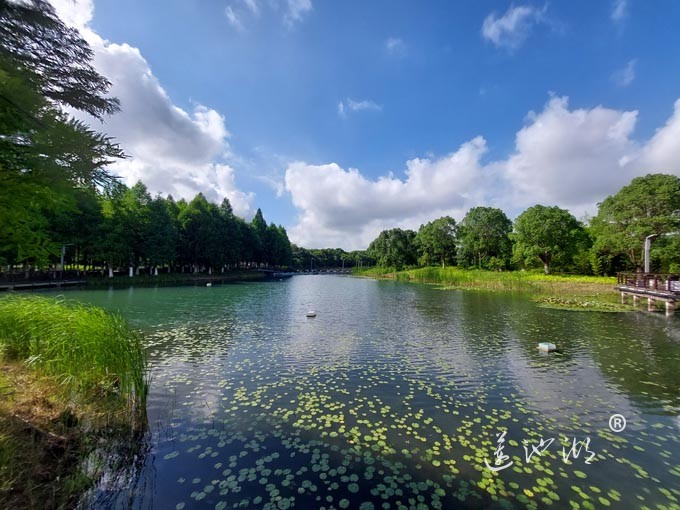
<point x="546" y="347"/>
<point x="311" y="313"/>
<point x="208" y="284"/>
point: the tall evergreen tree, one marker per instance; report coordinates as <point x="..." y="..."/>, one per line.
<point x="260" y="230"/>
<point x="230" y="234"/>
<point x="162" y="235"/>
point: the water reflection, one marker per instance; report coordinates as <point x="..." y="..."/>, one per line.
<point x="393" y="395"/>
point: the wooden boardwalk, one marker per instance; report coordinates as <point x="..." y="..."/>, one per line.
<point x="653" y="286"/>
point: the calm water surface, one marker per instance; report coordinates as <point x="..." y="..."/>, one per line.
<point x="394" y="397"/>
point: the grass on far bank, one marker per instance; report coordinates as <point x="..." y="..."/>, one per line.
<point x="555" y="291"/>
<point x="70" y="375"/>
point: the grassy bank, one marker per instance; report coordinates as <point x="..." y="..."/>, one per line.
<point x="556" y="291"/>
<point x="71" y="376"/>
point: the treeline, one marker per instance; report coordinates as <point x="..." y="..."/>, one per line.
<point x="649" y="207"/>
<point x="121" y="228"/>
<point x="127" y="228"/>
<point x="329" y="258"/>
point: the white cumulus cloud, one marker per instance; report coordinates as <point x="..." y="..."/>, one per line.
<point x="572" y="158"/>
<point x="171" y="150"/>
<point x="346" y="208"/>
<point x="512" y="28"/>
<point x="662" y="152"/>
<point x="76" y="13"/>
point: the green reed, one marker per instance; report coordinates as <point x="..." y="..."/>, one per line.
<point x="90" y="352"/>
<point x="516" y="281"/>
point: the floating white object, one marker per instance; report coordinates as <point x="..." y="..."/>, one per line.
<point x="208" y="284"/>
<point x="547" y="347"/>
<point x="311" y="313"/>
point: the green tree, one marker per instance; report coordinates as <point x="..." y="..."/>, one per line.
<point x="436" y="242"/>
<point x="114" y="247"/>
<point x="162" y="234"/>
<point x="301" y="257"/>
<point x="283" y="251"/>
<point x="394" y="248"/>
<point x="549" y="234"/>
<point x="173" y="209"/>
<point x="649" y="205"/>
<point x="203" y="234"/>
<point x="270" y="245"/>
<point x="135" y="215"/>
<point x="231" y="238"/>
<point x="581" y="262"/>
<point x="44" y="159"/>
<point x="360" y="258"/>
<point x="250" y="243"/>
<point x="260" y="248"/>
<point x="484" y="239"/>
<point x="79" y="226"/>
<point x="57" y="57"/>
<point x="275" y="246"/>
<point x="45" y="155"/>
<point x="665" y="255"/>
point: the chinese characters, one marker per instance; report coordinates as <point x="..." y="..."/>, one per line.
<point x="502" y="460"/>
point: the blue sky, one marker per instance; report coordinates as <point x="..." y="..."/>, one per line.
<point x="339" y="119"/>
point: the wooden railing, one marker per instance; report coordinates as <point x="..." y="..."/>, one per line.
<point x="650" y="281"/>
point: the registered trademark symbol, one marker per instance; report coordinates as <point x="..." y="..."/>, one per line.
<point x="617" y="423"/>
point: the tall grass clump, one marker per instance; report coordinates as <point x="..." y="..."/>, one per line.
<point x="472" y="278"/>
<point x="90" y="352"/>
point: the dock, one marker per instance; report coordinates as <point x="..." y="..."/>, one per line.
<point x="655" y="287"/>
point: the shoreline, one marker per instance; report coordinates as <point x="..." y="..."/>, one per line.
<point x="52" y="449"/>
<point x="563" y="292"/>
<point x="120" y="281"/>
<point x="64" y="408"/>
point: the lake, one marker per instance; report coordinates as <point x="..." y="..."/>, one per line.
<point x="396" y="396"/>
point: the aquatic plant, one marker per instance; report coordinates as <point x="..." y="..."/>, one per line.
<point x="90" y="352"/>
